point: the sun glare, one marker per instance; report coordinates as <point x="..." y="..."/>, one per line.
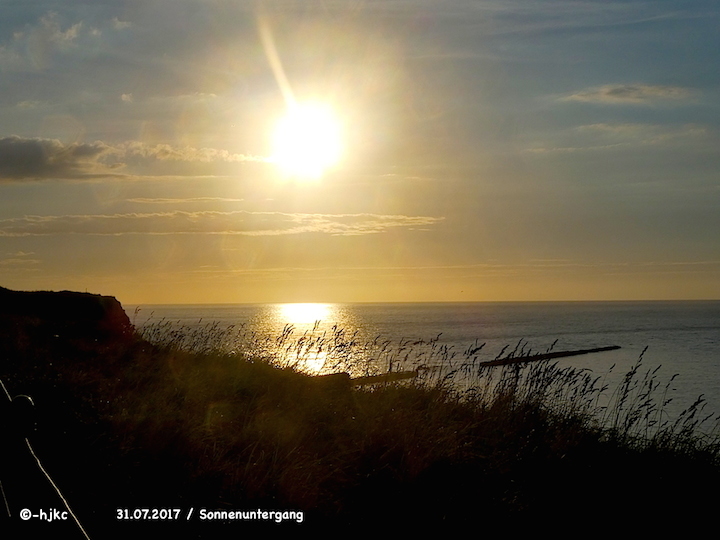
<point x="307" y="141"/>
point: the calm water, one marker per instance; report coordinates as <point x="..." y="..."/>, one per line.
<point x="681" y="337"/>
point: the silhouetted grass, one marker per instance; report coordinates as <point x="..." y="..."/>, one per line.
<point x="178" y="418"/>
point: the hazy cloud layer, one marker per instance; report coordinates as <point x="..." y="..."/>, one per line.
<point x="238" y="222"/>
<point x="168" y="200"/>
<point x="645" y="133"/>
<point x="536" y="269"/>
<point x="609" y="136"/>
<point x="19" y="259"/>
<point x="640" y="94"/>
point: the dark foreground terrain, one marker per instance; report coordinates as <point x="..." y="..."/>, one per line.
<point x="123" y="424"/>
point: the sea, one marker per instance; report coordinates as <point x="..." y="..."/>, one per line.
<point x="676" y="343"/>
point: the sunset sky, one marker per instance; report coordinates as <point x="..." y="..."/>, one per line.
<point x="484" y="150"/>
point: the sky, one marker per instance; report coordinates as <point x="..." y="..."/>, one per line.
<point x="500" y="150"/>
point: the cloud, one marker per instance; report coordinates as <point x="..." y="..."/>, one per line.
<point x="34" y="45"/>
<point x="640" y="94"/>
<point x="609" y="136"/>
<point x="51" y="30"/>
<point x="166" y="152"/>
<point x="470" y="271"/>
<point x="22" y="158"/>
<point x="18" y="259"/>
<point x="144" y="200"/>
<point x="120" y="25"/>
<point x="622" y="129"/>
<point x="37" y="159"/>
<point x="645" y="133"/>
<point x="209" y="222"/>
<point x="571" y="149"/>
<point x="185" y="99"/>
<point x="29" y="104"/>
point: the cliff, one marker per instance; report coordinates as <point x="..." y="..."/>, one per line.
<point x="65" y="314"/>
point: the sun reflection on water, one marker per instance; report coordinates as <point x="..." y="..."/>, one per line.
<point x="315" y="338"/>
<point x="303" y="314"/>
<point x="306" y="327"/>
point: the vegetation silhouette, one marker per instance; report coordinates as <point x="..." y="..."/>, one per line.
<point x="172" y="418"/>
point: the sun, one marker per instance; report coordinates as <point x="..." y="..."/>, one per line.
<point x="307" y="141"/>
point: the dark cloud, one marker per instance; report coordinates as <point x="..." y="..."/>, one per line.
<point x="48" y="158"/>
<point x="37" y="159"/>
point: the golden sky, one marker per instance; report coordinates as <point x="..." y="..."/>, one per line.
<point x="189" y="151"/>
